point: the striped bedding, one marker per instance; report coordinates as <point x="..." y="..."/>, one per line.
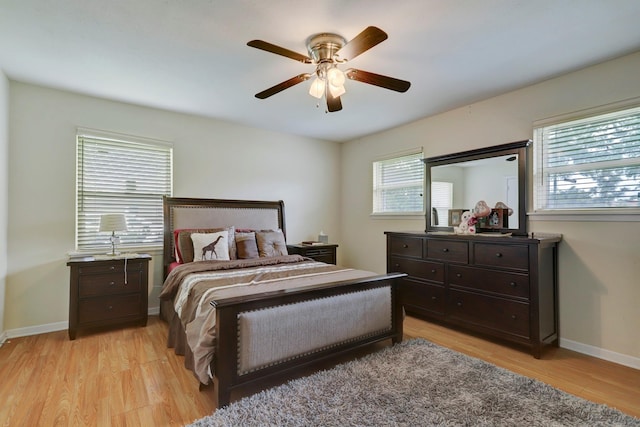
<point x="191" y="287"/>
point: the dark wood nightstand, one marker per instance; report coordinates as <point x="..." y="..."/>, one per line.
<point x="108" y="291"/>
<point x="323" y="253"/>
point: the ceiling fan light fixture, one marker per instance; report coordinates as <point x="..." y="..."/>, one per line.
<point x="335" y="76"/>
<point x="336" y="91"/>
<point x="317" y="88"/>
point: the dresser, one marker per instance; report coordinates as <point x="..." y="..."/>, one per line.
<point x="323" y="253"/>
<point x="506" y="287"/>
<point x="107" y="291"/>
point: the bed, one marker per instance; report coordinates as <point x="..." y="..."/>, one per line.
<point x="242" y="317"/>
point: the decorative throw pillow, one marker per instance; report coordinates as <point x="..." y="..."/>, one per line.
<point x="210" y="246"/>
<point x="184" y="244"/>
<point x="246" y="245"/>
<point x="271" y="243"/>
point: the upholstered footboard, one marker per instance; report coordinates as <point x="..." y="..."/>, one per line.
<point x="267" y="335"/>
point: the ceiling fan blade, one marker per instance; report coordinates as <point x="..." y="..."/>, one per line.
<point x="378" y="80"/>
<point x="284" y="85"/>
<point x="262" y="45"/>
<point x="333" y="103"/>
<point x="364" y="41"/>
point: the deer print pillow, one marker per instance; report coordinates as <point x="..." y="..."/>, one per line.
<point x="210" y="246"/>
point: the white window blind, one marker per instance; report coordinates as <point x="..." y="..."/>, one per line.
<point x="119" y="174"/>
<point x="398" y="185"/>
<point x="591" y="163"/>
<point x="441" y="202"/>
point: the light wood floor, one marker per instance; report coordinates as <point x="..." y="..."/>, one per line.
<point x="128" y="376"/>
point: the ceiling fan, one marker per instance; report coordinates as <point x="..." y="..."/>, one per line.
<point x="326" y="52"/>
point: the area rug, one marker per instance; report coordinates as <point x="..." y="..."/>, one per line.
<point x="415" y="383"/>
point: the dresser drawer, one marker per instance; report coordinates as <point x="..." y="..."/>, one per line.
<point x="499" y="282"/>
<point x="407" y="246"/>
<point x="504" y="256"/>
<point x="426" y="270"/>
<point x="111" y="307"/>
<point x="109" y="283"/>
<point x="511" y="317"/>
<point x="422" y="296"/>
<point x="448" y="250"/>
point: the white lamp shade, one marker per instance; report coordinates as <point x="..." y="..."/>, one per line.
<point x="113" y="222"/>
<point x="337" y="91"/>
<point x="335" y="77"/>
<point x="317" y="88"/>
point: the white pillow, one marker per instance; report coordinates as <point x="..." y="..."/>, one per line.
<point x="210" y="246"/>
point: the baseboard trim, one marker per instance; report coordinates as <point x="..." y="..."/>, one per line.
<point x="600" y="353"/>
<point x="50" y="327"/>
<point x="37" y="330"/>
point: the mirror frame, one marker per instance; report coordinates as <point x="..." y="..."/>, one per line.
<point x="518" y="147"/>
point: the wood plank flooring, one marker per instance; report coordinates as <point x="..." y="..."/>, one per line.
<point x="127" y="377"/>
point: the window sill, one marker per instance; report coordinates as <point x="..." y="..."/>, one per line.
<point x="628" y="215"/>
<point x="394" y="216"/>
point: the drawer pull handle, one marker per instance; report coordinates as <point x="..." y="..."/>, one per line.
<point x="514" y="317"/>
<point x="110" y="308"/>
<point x="112" y="283"/>
<point x="445" y="249"/>
<point x="459" y="304"/>
<point x="458" y="275"/>
<point x="498" y="255"/>
<point x="433" y="271"/>
<point x="513" y="284"/>
<point x="405" y="246"/>
<point x="434" y="298"/>
<point x="112" y="268"/>
<point x="397" y="265"/>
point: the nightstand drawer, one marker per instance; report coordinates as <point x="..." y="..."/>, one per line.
<point x="105" y="284"/>
<point x="115" y="266"/>
<point x="112" y="307"/>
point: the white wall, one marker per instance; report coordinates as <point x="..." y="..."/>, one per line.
<point x="212" y="158"/>
<point x="4" y="184"/>
<point x="599" y="273"/>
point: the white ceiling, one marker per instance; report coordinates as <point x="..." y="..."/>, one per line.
<point x="191" y="56"/>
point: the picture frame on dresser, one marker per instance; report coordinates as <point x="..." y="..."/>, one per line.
<point x="455" y="215"/>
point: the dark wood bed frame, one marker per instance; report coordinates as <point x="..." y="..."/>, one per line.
<point x="225" y="363"/>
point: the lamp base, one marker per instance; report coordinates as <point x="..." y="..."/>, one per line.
<point x="113" y="253"/>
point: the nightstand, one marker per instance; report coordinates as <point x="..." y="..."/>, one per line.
<point x="323" y="253"/>
<point x="107" y="291"/>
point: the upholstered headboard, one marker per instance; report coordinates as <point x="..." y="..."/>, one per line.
<point x="180" y="213"/>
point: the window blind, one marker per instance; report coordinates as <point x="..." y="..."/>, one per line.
<point x="398" y="185"/>
<point x="120" y="175"/>
<point x="441" y="201"/>
<point x="591" y="163"/>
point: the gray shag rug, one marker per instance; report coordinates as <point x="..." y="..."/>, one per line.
<point x="415" y="383"/>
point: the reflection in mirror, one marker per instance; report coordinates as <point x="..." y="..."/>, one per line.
<point x="457" y="187"/>
<point x="494" y="175"/>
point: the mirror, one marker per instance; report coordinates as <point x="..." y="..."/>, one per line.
<point x="495" y="175"/>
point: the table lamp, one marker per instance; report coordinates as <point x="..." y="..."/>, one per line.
<point x="113" y="223"/>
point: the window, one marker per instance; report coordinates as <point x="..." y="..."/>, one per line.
<point x="398" y="185"/>
<point x="441" y="202"/>
<point x="121" y="174"/>
<point x="591" y="163"/>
